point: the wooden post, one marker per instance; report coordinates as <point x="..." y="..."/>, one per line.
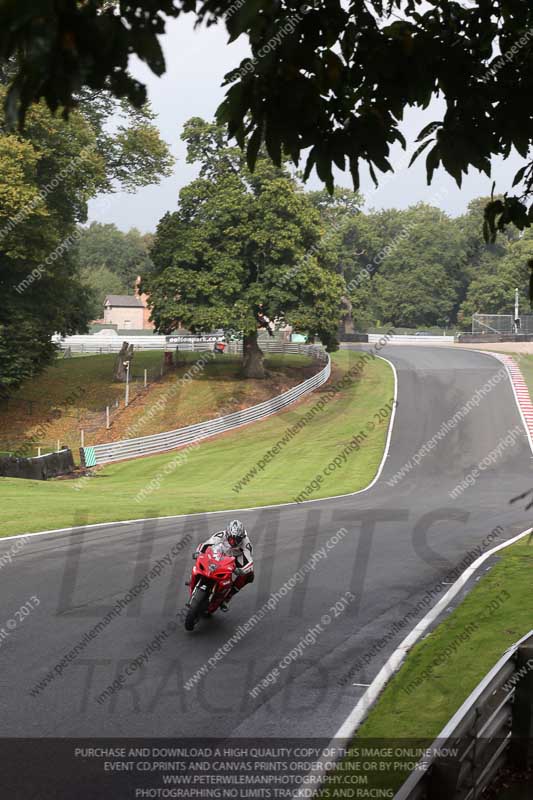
<point x="145" y="378"/>
<point x="38" y="452"/>
<point x="521" y="751"/>
<point x="82" y="436"/>
<point x="107" y="417"/>
<point x="58" y="446"/>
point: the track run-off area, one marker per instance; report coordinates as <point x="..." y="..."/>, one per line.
<point x="339" y="582"/>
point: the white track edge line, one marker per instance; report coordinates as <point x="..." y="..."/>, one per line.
<point x="393" y="663"/>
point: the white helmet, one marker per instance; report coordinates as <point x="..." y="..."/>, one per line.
<point x="235" y="533"/>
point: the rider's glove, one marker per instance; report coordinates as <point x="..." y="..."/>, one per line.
<point x="196" y="554"/>
<point x="238" y="571"/>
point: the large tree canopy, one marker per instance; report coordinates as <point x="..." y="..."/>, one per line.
<point x="326" y="78"/>
<point x="48" y="173"/>
<point x="124" y="254"/>
<point x="418" y="267"/>
<point x="239" y="240"/>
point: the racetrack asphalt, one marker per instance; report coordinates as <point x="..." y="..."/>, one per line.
<point x="401" y="541"/>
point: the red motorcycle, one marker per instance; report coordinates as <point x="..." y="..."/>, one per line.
<point x="210" y="583"/>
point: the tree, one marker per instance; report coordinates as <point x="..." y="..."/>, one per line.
<point x="100" y="281"/>
<point x="47" y="175"/>
<point x="326" y="78"/>
<point x="239" y="240"/>
<point x="407" y="268"/>
<point x="493" y="292"/>
<point x="124" y="254"/>
<point x="123" y="362"/>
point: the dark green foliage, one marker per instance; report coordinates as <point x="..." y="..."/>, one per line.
<point x="237" y="240"/>
<point x="327" y="77"/>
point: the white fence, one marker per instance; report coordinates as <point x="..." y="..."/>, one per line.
<point x="94" y="344"/>
<point x="170" y="440"/>
<point x="411" y="339"/>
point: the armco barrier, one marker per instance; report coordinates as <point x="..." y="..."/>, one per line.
<point x="170" y="440"/>
<point x="491" y="730"/>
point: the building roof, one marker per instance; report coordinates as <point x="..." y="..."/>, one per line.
<point x="123" y="301"/>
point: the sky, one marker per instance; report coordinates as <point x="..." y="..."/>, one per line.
<point x="197" y="61"/>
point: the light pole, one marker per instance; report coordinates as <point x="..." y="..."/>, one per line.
<point x="127" y="398"/>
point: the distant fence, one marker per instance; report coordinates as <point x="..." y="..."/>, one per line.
<point x="491" y="730"/>
<point x="170" y="440"/>
<point x="28" y="448"/>
<point x="502" y="324"/>
<point x="411" y="339"/>
<point x="491" y="338"/>
<point x="95" y="345"/>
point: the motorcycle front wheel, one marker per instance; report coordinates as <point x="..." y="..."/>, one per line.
<point x="199" y="604"/>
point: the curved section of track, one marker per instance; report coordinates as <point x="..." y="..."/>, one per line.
<point x="401" y="539"/>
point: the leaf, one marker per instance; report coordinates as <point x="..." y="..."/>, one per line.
<point x="432" y="162"/>
<point x="373" y="174"/>
<point x="354" y="172"/>
<point x="348" y="41"/>
<point x="273" y="143"/>
<point x="520" y="175"/>
<point x="309" y="164"/>
<point x="254" y="143"/>
<point x="431" y="128"/>
<point x="420" y="150"/>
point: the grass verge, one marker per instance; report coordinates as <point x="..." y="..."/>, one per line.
<point x="203" y="478"/>
<point x="443" y="669"/>
<point x="72" y="394"/>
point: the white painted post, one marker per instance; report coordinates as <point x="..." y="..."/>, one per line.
<point x="127" y="397"/>
<point x="38" y="452"/>
<point x="82" y="433"/>
<point x="145" y="378"/>
<point x="107" y="417"/>
<point x="58" y="446"/>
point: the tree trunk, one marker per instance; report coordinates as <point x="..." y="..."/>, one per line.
<point x="347" y="320"/>
<point x="126" y="354"/>
<point x="252" y="364"/>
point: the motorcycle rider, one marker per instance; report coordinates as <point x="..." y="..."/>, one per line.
<point x="236" y="543"/>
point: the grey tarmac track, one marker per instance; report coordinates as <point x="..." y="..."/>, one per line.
<point x="402" y="540"/>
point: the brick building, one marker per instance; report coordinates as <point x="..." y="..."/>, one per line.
<point x="128" y="311"/>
